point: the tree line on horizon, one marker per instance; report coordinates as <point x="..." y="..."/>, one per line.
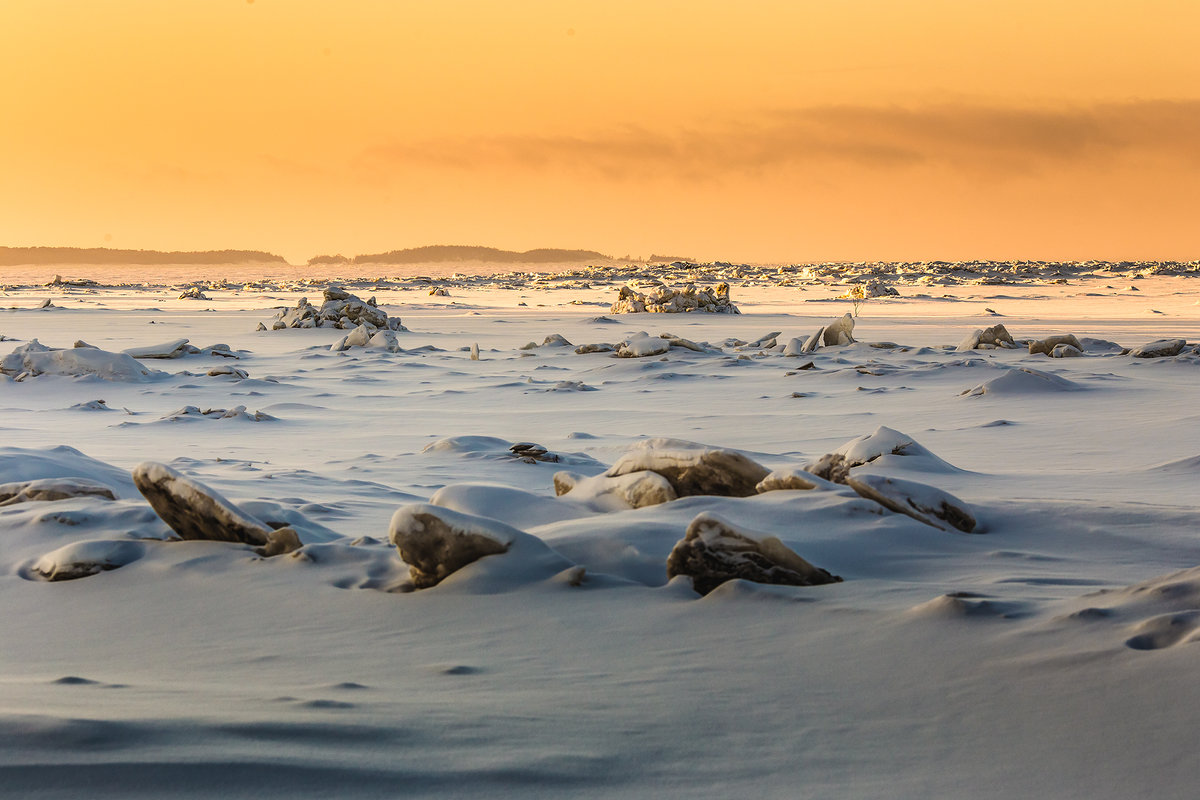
<point x="12" y="256"/>
<point x="458" y="252"/>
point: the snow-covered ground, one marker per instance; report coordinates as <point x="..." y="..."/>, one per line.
<point x="1050" y="653"/>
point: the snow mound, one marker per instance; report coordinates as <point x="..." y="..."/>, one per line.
<point x="33" y="359"/>
<point x="20" y="464"/>
<point x="1023" y="381"/>
<point x="82" y="559"/>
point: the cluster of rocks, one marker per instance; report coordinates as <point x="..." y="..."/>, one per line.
<point x="662" y="299"/>
<point x="235" y="413"/>
<point x="868" y="290"/>
<point x="190" y="509"/>
<point x="193" y="293"/>
<point x="991" y="338"/>
<point x="838" y="332"/>
<point x="339" y="310"/>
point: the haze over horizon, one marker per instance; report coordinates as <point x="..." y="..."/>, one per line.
<point x="777" y="132"/>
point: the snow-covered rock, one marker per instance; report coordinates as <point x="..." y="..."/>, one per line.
<point x="34" y="358"/>
<point x="1161" y="348"/>
<point x="695" y="472"/>
<point x="82" y="559"/>
<point x="714" y="551"/>
<point x="924" y="503"/>
<point x="1021" y="381"/>
<point x="436" y="542"/>
<point x="605" y="493"/>
<point x="642" y="345"/>
<point x="782" y="479"/>
<point x="1047" y="345"/>
<point x="176" y="348"/>
<point x="50" y="489"/>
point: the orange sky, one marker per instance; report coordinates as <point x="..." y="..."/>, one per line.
<point x="771" y="131"/>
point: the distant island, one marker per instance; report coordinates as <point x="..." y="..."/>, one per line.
<point x="441" y="252"/>
<point x="12" y="256"/>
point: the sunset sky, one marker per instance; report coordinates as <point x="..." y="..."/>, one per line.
<point x="796" y="130"/>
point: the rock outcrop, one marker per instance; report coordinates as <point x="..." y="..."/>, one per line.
<point x="714" y="551"/>
<point x="339" y="310"/>
<point x="51" y="489"/>
<point x="660" y="298"/>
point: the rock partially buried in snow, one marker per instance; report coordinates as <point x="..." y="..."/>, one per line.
<point x="715" y="551"/>
<point x="82" y="559"/>
<point x="840" y="331"/>
<point x="923" y="503"/>
<point x="195" y="511"/>
<point x="631" y="490"/>
<point x="784" y="479"/>
<point x="725" y="473"/>
<point x="436" y="542"/>
<point x="642" y="345"/>
<point x="51" y="489"/>
<point x="1047" y="346"/>
<point x="1163" y="348"/>
<point x="176" y="348"/>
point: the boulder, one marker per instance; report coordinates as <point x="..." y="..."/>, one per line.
<point x="82" y="559"/>
<point x="642" y="345"/>
<point x="195" y="511"/>
<point x="1065" y="351"/>
<point x="631" y="490"/>
<point x="436" y="542"/>
<point x="840" y="331"/>
<point x="1046" y="346"/>
<point x="923" y="503"/>
<point x="1161" y="348"/>
<point x="725" y="473"/>
<point x="51" y="489"/>
<point x="715" y="551"/>
<point x="783" y="479"/>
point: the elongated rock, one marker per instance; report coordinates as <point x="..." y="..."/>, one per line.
<point x="714" y="550"/>
<point x="195" y="511"/>
<point x="923" y="503"/>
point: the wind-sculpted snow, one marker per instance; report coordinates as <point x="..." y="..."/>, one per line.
<point x="602" y="563"/>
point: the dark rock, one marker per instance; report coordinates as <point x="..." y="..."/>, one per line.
<point x="714" y="551"/>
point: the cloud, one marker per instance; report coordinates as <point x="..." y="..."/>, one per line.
<point x="970" y="139"/>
